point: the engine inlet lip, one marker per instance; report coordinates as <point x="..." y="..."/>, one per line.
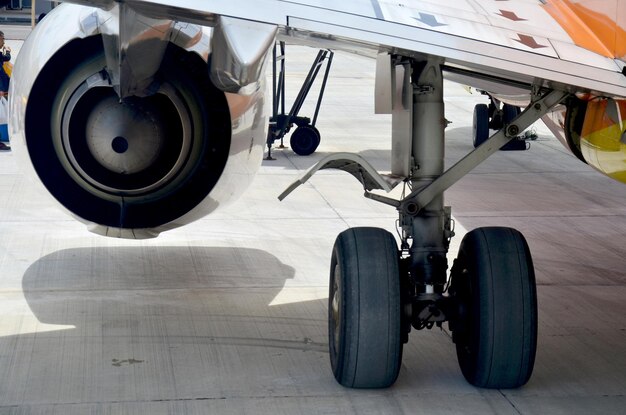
<point x="64" y="147"/>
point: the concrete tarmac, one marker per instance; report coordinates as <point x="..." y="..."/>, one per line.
<point x="229" y="315"/>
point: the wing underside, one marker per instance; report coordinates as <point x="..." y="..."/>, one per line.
<point x="526" y="41"/>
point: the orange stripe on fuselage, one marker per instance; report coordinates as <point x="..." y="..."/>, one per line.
<point x="591" y="29"/>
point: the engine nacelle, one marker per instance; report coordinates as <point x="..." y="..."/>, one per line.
<point x="595" y="130"/>
<point x="149" y="162"/>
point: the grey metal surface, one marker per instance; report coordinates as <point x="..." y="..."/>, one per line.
<point x="402" y="123"/>
<point x="68" y="22"/>
<point x="228" y="316"/>
<point x="239" y="54"/>
<point x="471" y="37"/>
<point x="353" y="164"/>
<point x="472" y="160"/>
<point x="134" y="46"/>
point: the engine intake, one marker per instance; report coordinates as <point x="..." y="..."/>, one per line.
<point x="135" y="163"/>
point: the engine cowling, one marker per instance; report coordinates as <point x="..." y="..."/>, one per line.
<point x="595" y="129"/>
<point x="136" y="166"/>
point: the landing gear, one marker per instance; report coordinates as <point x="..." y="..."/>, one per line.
<point x="509" y="112"/>
<point x="495" y="328"/>
<point x="364" y="313"/>
<point x="378" y="294"/>
<point x="480" y="125"/>
<point x="493" y="117"/>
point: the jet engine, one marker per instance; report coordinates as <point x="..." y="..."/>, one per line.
<point x="123" y="124"/>
<point x="595" y="128"/>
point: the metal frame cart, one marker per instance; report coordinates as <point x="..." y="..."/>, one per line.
<point x="305" y="139"/>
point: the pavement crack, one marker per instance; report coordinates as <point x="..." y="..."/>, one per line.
<point x="509" y="401"/>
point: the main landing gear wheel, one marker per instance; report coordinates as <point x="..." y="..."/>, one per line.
<point x="480" y="132"/>
<point x="304" y="140"/>
<point x="364" y="309"/>
<point x="509" y="112"/>
<point x="495" y="331"/>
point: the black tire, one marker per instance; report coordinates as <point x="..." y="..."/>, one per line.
<point x="304" y="140"/>
<point x="495" y="332"/>
<point x="509" y="112"/>
<point x="364" y="309"/>
<point x="480" y="132"/>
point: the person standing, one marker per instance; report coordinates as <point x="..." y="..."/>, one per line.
<point x="5" y="56"/>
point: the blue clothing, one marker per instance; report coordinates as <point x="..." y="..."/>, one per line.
<point x="4" y="78"/>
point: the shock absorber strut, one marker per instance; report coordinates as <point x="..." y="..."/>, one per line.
<point x="427" y="227"/>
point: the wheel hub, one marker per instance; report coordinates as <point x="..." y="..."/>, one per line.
<point x="335" y="307"/>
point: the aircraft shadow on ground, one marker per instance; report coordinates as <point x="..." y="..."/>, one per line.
<point x="156" y="309"/>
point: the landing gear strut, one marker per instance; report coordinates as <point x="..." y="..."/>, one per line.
<point x="378" y="292"/>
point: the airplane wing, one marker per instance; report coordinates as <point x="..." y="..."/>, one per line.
<point x="520" y="40"/>
<point x="142" y="116"/>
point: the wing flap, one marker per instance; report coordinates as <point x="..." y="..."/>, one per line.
<point x="498" y="61"/>
<point x="478" y="29"/>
